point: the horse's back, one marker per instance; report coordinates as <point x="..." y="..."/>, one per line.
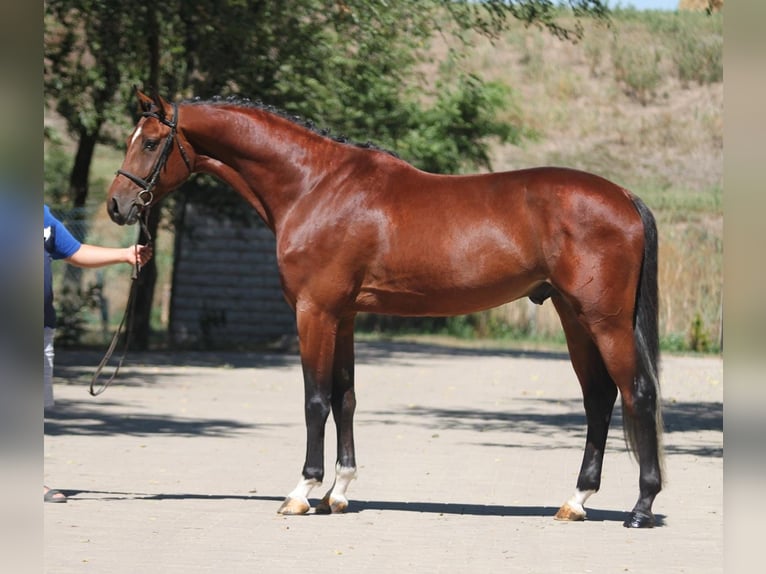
<point x="528" y="208"/>
<point x="553" y="187"/>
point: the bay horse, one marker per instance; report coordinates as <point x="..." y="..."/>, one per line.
<point x="360" y="230"/>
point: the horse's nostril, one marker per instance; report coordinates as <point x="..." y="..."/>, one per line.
<point x="113" y="210"/>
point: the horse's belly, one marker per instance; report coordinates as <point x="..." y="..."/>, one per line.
<point x="455" y="269"/>
<point x="443" y="299"/>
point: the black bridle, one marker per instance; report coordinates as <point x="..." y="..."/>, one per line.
<point x="145" y="197"/>
<point x="142" y="202"/>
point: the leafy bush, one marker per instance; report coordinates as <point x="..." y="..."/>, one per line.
<point x="57" y="164"/>
<point x="637" y="69"/>
<point x="452" y="134"/>
<point x="698" y="58"/>
<point x="673" y="343"/>
<point x="72" y="305"/>
<point x="593" y="49"/>
<point x="699" y="338"/>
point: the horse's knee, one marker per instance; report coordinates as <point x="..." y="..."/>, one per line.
<point x="344" y="402"/>
<point x="318" y="408"/>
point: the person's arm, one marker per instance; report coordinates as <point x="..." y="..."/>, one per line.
<point x="96" y="256"/>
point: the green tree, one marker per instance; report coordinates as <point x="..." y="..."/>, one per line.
<point x="93" y="50"/>
<point x="86" y="54"/>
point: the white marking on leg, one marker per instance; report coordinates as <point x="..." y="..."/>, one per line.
<point x="135" y="135"/>
<point x="578" y="500"/>
<point x="343" y="477"/>
<point x="301" y="492"/>
<point x="335" y="500"/>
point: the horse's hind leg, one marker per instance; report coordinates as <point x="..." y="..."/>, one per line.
<point x="599" y="395"/>
<point x="641" y="418"/>
<point x="639" y="389"/>
<point x="642" y="422"/>
<point x="343" y="407"/>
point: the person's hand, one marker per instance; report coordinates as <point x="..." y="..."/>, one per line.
<point x="140" y="254"/>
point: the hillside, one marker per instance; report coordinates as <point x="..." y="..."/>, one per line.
<point x="640" y="103"/>
<point x="650" y="133"/>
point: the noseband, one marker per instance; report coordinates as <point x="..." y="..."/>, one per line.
<point x="145" y="197"/>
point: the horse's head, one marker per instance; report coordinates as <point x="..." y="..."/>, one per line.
<point x="157" y="161"/>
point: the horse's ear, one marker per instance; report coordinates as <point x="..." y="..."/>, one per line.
<point x="144" y="102"/>
<point x="159" y="104"/>
<point x="163" y="107"/>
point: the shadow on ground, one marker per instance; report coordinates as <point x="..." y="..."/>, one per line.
<point x="543" y="417"/>
<point x="358" y="506"/>
<point x="98" y="419"/>
<point x="551" y="417"/>
<point x="371" y="352"/>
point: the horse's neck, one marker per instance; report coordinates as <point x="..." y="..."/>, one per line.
<point x="230" y="176"/>
<point x="251" y="155"/>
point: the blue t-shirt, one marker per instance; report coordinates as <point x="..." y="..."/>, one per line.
<point x="59" y="243"/>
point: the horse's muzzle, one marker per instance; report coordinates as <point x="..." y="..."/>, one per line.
<point x="128" y="215"/>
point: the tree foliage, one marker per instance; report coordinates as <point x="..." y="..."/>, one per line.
<point x="493" y="16"/>
<point x="346" y="64"/>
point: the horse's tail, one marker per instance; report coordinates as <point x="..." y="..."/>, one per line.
<point x="646" y="336"/>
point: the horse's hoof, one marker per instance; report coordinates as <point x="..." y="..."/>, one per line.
<point x="570" y="513"/>
<point x="638" y="519"/>
<point x="294" y="506"/>
<point x="332" y="505"/>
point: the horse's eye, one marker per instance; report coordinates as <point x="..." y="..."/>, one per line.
<point x="150" y="145"/>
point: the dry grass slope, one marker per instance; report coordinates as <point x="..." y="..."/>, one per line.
<point x="621" y="104"/>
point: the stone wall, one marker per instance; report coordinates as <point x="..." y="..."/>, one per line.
<point x="225" y="290"/>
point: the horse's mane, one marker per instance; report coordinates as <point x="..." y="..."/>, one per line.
<point x="294" y="118"/>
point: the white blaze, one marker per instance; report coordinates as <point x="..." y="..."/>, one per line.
<point x="135" y="135"/>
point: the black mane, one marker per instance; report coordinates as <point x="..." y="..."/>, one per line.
<point x="294" y="118"/>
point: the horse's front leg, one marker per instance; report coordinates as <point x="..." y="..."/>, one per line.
<point x="343" y="407"/>
<point x="316" y="331"/>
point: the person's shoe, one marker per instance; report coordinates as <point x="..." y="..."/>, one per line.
<point x="53" y="495"/>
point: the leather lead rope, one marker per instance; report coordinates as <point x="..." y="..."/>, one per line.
<point x="129" y="311"/>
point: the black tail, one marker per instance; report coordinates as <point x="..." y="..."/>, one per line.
<point x="646" y="332"/>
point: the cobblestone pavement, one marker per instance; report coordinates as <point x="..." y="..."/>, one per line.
<point x="464" y="457"/>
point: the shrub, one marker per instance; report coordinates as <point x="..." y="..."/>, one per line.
<point x="453" y="133"/>
<point x="699" y="338"/>
<point x="593" y="48"/>
<point x="698" y="58"/>
<point x="637" y="69"/>
<point x="57" y="164"/>
<point x="72" y="306"/>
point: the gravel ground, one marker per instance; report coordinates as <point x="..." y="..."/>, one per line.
<point x="464" y="457"/>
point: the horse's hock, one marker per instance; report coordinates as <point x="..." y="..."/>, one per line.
<point x="226" y="289"/>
